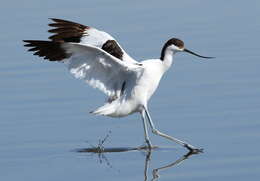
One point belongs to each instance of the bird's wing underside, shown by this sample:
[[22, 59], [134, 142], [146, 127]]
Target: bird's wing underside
[[90, 54], [100, 69], [97, 67]]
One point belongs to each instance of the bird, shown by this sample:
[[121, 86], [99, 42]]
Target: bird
[[95, 57]]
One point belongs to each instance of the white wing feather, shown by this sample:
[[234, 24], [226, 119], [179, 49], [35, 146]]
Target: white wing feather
[[70, 31], [97, 38], [98, 68]]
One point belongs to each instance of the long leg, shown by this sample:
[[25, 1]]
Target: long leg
[[157, 132], [147, 140]]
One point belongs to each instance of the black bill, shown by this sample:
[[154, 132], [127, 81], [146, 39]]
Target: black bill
[[188, 51]]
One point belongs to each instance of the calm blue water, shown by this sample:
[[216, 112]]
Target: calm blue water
[[214, 104]]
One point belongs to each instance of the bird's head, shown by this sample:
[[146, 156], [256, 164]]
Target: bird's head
[[176, 45]]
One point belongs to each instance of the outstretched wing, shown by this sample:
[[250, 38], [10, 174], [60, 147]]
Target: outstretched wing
[[97, 67], [100, 69], [91, 55], [69, 31]]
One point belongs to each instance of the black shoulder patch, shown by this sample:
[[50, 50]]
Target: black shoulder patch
[[112, 48]]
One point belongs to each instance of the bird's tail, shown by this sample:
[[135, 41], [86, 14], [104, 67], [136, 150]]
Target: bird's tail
[[109, 109]]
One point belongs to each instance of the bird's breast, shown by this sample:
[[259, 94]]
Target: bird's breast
[[138, 92], [149, 80]]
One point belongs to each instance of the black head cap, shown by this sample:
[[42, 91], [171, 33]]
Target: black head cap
[[173, 41]]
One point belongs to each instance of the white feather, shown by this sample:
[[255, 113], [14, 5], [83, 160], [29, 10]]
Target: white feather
[[128, 84], [99, 69], [98, 38]]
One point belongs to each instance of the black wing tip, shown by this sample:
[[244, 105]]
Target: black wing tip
[[53, 19], [66, 31], [29, 43], [58, 20], [32, 43], [49, 50]]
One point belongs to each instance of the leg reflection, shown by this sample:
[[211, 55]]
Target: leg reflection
[[155, 172]]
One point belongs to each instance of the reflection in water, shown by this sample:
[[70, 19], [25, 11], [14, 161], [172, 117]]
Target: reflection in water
[[156, 170], [100, 150]]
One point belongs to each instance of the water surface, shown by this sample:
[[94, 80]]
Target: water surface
[[213, 104]]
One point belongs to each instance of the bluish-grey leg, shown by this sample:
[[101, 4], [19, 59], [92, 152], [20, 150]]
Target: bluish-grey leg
[[147, 140], [157, 132]]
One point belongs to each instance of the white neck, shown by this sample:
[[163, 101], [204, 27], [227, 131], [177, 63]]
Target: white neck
[[168, 58]]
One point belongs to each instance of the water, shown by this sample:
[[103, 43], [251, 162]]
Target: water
[[213, 104]]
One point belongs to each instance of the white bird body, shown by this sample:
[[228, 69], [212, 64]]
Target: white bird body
[[148, 83], [97, 58], [137, 91], [140, 81]]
